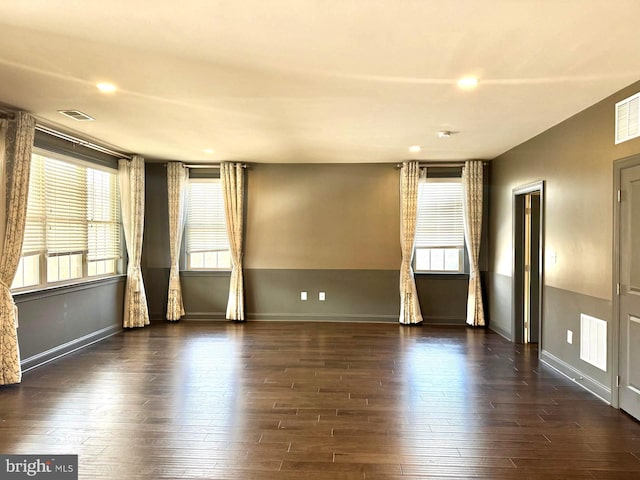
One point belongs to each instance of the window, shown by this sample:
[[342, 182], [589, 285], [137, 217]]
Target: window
[[73, 223], [207, 245], [440, 226]]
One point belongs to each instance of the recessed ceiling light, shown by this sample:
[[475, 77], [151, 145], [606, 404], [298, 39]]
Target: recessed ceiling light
[[209, 151], [468, 83], [106, 87], [415, 148]]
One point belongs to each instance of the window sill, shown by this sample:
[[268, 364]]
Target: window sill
[[205, 273], [50, 291], [442, 275]]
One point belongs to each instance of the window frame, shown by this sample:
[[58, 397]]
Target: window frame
[[185, 266], [435, 174], [464, 261], [44, 284]]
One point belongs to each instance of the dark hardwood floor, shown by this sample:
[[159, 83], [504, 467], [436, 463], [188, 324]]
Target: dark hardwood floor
[[267, 400]]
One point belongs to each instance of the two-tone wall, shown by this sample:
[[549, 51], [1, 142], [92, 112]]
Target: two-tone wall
[[575, 160], [309, 227], [60, 320]]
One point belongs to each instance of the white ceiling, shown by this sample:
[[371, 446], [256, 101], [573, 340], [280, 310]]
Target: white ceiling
[[314, 80]]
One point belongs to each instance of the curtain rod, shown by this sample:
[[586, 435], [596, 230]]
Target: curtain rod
[[438, 164], [205, 165], [10, 114], [79, 141], [7, 113]]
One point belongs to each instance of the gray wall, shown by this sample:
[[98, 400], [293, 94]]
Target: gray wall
[[155, 260], [57, 321], [309, 227], [575, 159]]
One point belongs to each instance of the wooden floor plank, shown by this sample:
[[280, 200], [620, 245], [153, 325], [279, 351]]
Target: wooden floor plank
[[315, 401]]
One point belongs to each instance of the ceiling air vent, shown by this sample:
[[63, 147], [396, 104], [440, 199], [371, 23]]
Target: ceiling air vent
[[76, 115], [628, 118]]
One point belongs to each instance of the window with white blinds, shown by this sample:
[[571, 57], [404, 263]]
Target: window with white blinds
[[206, 241], [439, 245], [73, 222]]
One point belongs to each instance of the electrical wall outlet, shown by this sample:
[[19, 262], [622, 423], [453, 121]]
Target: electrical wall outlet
[[321, 296], [303, 295], [569, 337]]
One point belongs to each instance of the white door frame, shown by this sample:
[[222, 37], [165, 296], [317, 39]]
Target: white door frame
[[515, 193]]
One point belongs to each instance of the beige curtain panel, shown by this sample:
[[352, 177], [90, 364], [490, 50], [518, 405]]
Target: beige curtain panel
[[232, 176], [472, 183], [16, 143], [409, 305], [131, 178], [177, 182]]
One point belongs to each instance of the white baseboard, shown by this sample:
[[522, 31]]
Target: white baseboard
[[585, 381]]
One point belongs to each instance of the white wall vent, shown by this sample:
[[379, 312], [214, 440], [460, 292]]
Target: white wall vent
[[593, 341], [628, 118], [76, 115]]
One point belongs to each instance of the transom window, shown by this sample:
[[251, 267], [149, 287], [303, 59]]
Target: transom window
[[206, 241], [439, 246], [73, 222]]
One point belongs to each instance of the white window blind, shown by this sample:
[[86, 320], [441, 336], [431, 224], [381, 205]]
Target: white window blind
[[440, 216], [103, 216], [34, 232], [65, 198], [72, 222], [440, 226], [207, 244]]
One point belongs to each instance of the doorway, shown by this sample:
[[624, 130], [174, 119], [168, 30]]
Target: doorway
[[627, 285], [528, 262]]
